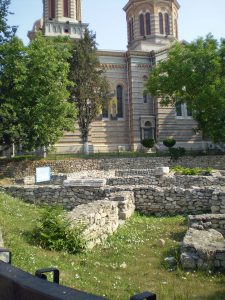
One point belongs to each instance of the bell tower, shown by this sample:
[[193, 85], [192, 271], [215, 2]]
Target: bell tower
[[63, 17], [151, 24], [60, 18]]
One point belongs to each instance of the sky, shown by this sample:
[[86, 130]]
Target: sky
[[107, 19]]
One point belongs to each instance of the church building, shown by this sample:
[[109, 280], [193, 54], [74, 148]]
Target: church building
[[131, 115]]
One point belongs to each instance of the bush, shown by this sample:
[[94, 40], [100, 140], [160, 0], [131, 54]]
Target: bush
[[148, 143], [54, 232], [169, 142], [191, 171], [176, 153]]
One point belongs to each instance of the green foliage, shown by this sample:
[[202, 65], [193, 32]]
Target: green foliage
[[191, 171], [148, 143], [176, 153], [91, 89], [169, 142], [195, 74], [6, 31], [34, 111], [99, 271], [54, 232]]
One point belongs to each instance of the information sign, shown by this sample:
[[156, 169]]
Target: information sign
[[43, 174]]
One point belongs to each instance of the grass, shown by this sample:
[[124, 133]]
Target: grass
[[130, 262], [191, 171]]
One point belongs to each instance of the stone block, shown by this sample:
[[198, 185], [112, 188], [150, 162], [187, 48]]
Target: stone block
[[188, 261], [87, 182], [162, 171]]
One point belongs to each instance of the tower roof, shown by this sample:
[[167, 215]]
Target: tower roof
[[153, 1]]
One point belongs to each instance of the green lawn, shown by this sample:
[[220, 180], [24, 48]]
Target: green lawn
[[129, 263]]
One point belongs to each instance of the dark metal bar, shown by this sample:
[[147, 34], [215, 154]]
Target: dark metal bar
[[144, 296], [41, 274], [16, 284]]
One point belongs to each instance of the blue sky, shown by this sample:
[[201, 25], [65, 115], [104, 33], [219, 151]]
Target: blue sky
[[107, 19]]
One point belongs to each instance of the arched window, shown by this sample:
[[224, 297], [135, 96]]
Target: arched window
[[148, 23], [145, 97], [119, 94], [167, 24], [66, 8], [51, 9], [161, 30], [131, 29], [142, 25]]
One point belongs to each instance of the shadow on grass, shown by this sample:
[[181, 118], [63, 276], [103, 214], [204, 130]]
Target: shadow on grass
[[178, 236], [214, 296]]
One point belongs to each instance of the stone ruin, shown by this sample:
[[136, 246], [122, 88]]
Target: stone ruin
[[204, 244], [102, 218], [101, 200]]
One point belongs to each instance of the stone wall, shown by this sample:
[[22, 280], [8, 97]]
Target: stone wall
[[203, 249], [102, 218], [218, 202], [207, 221], [148, 199], [185, 181], [174, 200], [99, 218], [27, 168], [68, 197]]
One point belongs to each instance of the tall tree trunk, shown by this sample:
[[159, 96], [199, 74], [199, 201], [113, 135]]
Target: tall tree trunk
[[86, 149]]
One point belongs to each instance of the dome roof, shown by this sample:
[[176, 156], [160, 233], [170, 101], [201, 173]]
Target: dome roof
[[38, 25]]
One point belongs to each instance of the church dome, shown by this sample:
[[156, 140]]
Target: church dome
[[38, 25]]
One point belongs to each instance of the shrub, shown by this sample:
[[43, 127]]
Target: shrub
[[54, 232], [169, 142], [191, 171], [148, 143], [176, 153]]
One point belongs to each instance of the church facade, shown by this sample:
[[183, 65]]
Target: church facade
[[131, 115]]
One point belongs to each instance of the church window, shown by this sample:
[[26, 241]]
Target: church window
[[131, 29], [105, 110], [119, 94], [66, 8], [145, 97], [142, 25], [179, 109], [148, 23], [148, 131], [161, 30], [167, 24], [51, 9], [189, 112], [182, 111]]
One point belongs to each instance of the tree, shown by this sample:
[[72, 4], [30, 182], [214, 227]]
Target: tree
[[90, 88], [6, 31], [34, 111], [195, 74]]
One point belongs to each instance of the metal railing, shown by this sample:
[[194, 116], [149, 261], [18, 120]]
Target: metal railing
[[16, 284]]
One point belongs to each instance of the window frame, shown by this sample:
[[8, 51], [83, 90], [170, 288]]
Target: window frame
[[148, 23], [66, 8], [184, 112], [52, 9], [161, 23], [142, 24]]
